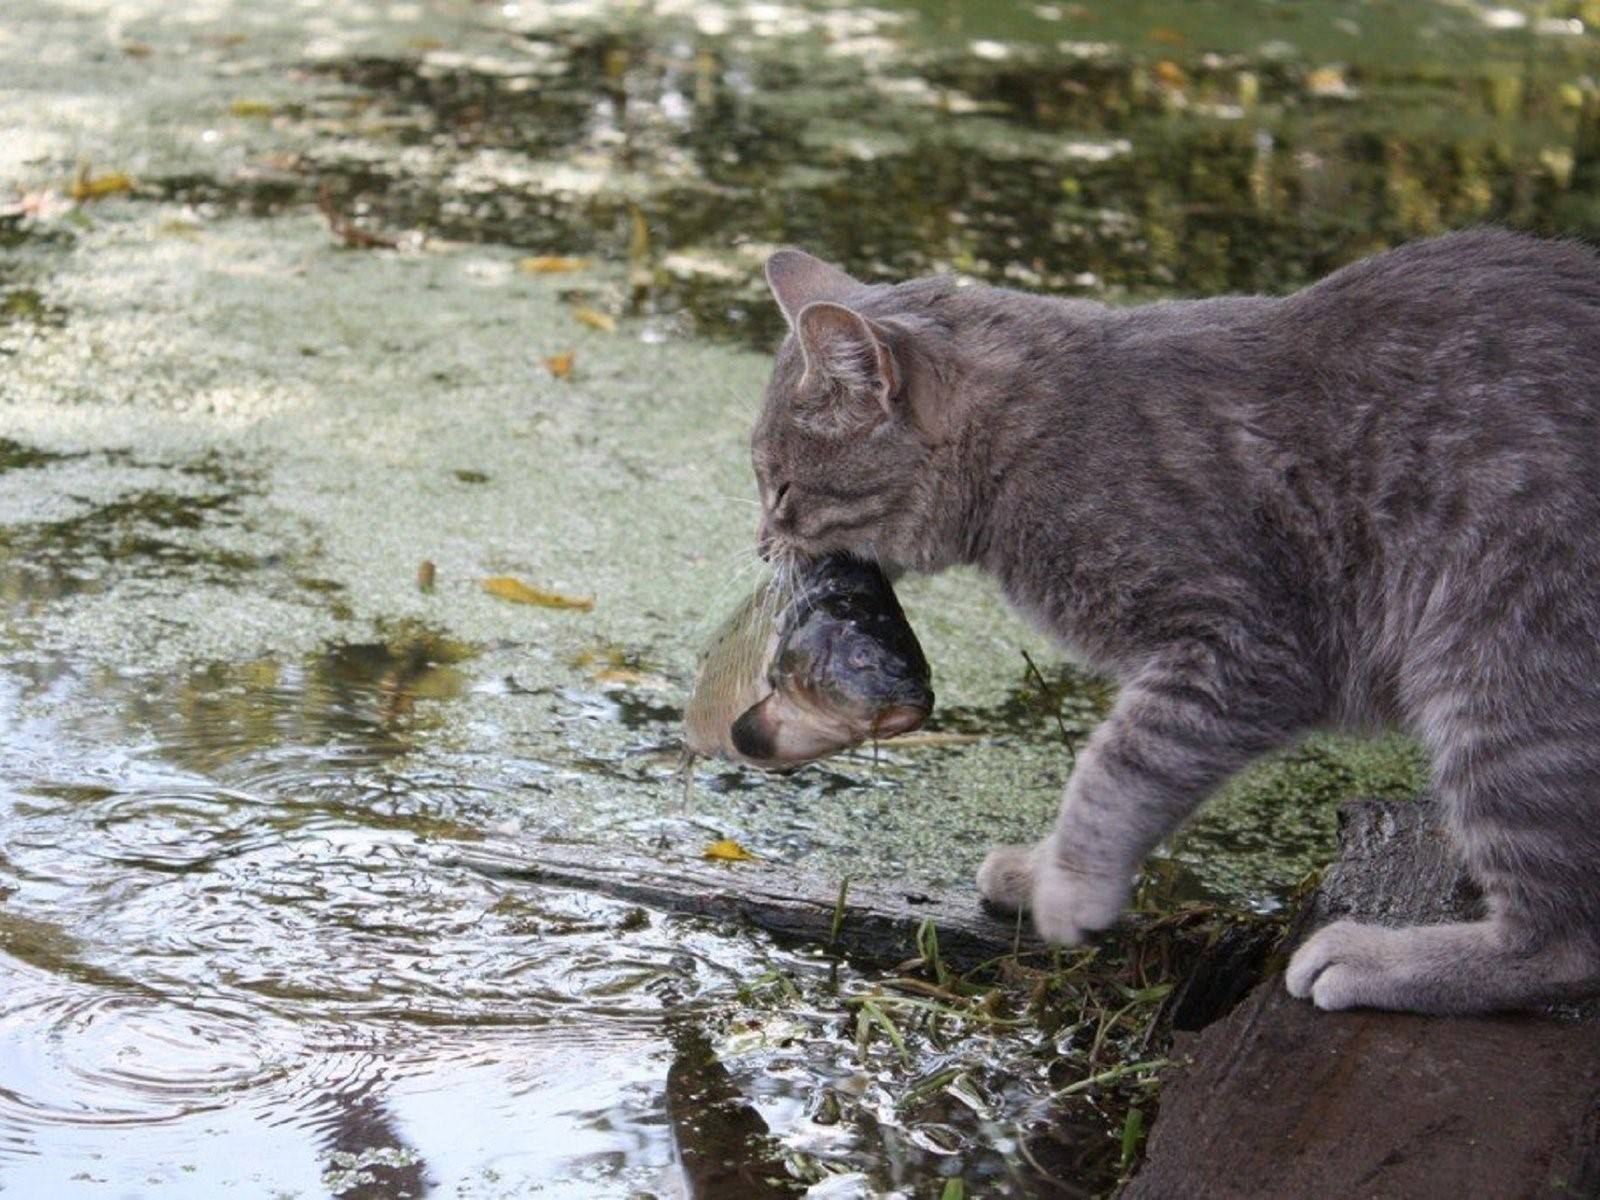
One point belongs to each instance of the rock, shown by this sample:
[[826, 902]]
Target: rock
[[1280, 1100]]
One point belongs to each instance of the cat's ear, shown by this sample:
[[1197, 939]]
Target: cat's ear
[[798, 279], [849, 355]]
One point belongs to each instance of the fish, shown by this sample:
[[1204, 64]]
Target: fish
[[796, 674]]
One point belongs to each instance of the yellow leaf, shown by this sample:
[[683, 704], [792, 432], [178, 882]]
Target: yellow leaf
[[595, 319], [518, 592], [251, 108], [1327, 81], [550, 264], [1170, 73], [86, 186], [561, 364], [728, 850], [625, 676], [640, 275], [1167, 37]]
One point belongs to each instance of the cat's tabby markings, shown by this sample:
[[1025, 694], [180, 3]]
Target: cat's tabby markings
[[1375, 502]]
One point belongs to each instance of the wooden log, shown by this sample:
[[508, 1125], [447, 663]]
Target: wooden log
[[879, 922], [1279, 1099]]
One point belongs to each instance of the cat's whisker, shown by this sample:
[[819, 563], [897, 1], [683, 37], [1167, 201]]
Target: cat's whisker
[[736, 499]]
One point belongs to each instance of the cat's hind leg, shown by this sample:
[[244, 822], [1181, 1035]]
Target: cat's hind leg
[[1465, 967], [1510, 709]]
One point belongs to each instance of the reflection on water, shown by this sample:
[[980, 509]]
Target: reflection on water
[[1106, 150], [232, 924]]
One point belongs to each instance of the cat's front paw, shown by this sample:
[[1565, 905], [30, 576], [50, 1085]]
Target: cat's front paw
[[1005, 880], [1349, 965], [1069, 905]]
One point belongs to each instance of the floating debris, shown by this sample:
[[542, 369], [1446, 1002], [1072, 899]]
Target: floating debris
[[626, 677], [1329, 83], [560, 365], [88, 186], [514, 590], [551, 264], [425, 575], [728, 850], [595, 319]]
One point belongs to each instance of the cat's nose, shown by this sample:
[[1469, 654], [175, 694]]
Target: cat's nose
[[765, 544]]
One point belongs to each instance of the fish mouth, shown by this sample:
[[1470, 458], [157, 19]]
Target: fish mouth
[[781, 732]]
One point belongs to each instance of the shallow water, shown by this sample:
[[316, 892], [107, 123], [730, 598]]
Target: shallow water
[[240, 742]]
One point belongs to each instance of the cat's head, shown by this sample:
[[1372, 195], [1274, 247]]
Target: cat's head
[[846, 446]]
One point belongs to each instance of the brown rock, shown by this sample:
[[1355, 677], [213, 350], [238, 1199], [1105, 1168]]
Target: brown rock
[[1280, 1100]]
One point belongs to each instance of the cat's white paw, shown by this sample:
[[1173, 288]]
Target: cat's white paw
[[1068, 906], [1347, 965], [1005, 880]]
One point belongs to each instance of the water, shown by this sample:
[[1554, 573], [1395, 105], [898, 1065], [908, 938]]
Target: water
[[242, 746]]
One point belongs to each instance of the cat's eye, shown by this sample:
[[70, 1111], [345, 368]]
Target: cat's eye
[[777, 499]]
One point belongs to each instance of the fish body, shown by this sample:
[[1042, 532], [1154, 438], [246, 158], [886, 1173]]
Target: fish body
[[792, 678]]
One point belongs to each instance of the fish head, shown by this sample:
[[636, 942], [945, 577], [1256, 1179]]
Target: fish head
[[865, 682], [854, 675], [835, 686]]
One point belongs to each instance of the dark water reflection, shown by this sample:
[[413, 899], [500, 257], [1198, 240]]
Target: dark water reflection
[[1096, 149]]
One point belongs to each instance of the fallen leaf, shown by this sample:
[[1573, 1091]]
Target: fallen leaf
[[251, 108], [425, 574], [728, 850], [88, 186], [595, 319], [1328, 81], [550, 264], [1167, 37], [627, 677], [640, 274], [1170, 73], [518, 592], [561, 364]]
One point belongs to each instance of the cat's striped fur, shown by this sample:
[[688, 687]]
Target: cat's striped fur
[[1375, 502]]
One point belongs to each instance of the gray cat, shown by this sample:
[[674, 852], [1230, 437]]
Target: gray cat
[[1373, 503]]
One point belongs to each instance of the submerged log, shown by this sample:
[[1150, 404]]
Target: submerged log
[[1279, 1099], [877, 923]]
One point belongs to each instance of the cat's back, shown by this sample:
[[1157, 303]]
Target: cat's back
[[1485, 335], [1472, 282]]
